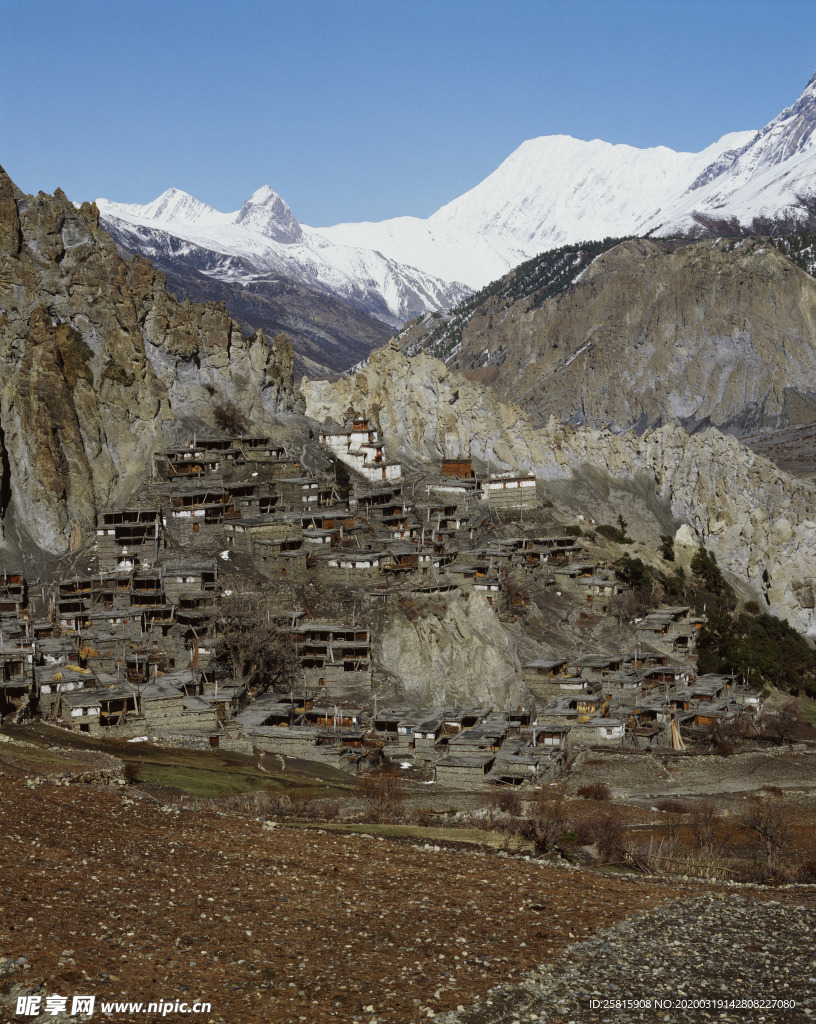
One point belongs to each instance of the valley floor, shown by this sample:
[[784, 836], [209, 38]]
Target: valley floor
[[109, 891]]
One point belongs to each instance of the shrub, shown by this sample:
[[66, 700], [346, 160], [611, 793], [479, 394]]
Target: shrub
[[300, 802], [667, 547], [767, 819], [780, 726], [595, 791], [609, 833], [383, 793], [669, 857], [671, 806], [634, 572], [546, 822], [230, 418], [325, 809], [719, 740], [704, 821], [505, 800], [616, 533]]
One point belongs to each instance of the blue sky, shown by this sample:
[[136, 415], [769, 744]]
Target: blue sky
[[366, 109]]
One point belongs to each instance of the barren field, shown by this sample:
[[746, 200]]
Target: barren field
[[642, 775], [128, 899]]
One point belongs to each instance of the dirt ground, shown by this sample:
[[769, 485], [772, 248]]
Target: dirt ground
[[640, 775], [127, 900]]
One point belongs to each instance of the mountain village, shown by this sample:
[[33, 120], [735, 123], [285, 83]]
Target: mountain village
[[412, 619], [134, 649]]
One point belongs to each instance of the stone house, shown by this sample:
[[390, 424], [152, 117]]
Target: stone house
[[95, 711]]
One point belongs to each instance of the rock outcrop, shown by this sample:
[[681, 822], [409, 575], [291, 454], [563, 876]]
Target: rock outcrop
[[759, 521], [100, 366], [450, 650], [714, 333]]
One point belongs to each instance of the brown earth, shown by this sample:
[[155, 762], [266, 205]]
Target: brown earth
[[131, 901]]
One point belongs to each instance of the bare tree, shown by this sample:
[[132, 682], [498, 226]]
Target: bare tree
[[609, 834], [546, 821], [632, 604], [704, 821], [782, 725], [383, 793], [230, 418], [261, 652], [768, 820], [502, 807]]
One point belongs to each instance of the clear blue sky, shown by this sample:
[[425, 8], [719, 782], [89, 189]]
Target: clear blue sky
[[366, 109]]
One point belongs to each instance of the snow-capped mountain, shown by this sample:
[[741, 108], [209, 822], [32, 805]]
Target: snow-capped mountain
[[556, 190], [552, 191], [263, 240], [772, 177]]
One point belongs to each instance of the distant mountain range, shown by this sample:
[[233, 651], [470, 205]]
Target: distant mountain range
[[556, 190], [552, 191], [263, 240]]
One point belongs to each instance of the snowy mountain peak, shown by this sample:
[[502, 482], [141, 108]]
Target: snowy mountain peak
[[262, 241], [792, 131], [767, 178], [172, 207], [266, 213], [551, 191], [556, 189], [261, 195]]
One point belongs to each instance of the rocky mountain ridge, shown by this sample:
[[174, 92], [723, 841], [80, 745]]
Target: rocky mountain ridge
[[263, 242], [552, 191], [326, 333], [101, 366], [649, 332], [759, 521]]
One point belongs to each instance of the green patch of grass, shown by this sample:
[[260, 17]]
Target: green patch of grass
[[200, 782], [198, 773], [40, 759], [220, 780], [807, 710], [428, 834]]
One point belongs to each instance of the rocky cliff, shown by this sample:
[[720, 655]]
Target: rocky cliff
[[99, 366], [759, 521], [456, 649], [328, 335], [653, 332]]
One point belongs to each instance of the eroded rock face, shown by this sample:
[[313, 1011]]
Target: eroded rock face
[[456, 649], [658, 332], [759, 521], [99, 366], [427, 409]]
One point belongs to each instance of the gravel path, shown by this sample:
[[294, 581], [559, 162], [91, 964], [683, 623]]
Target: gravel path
[[688, 951]]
